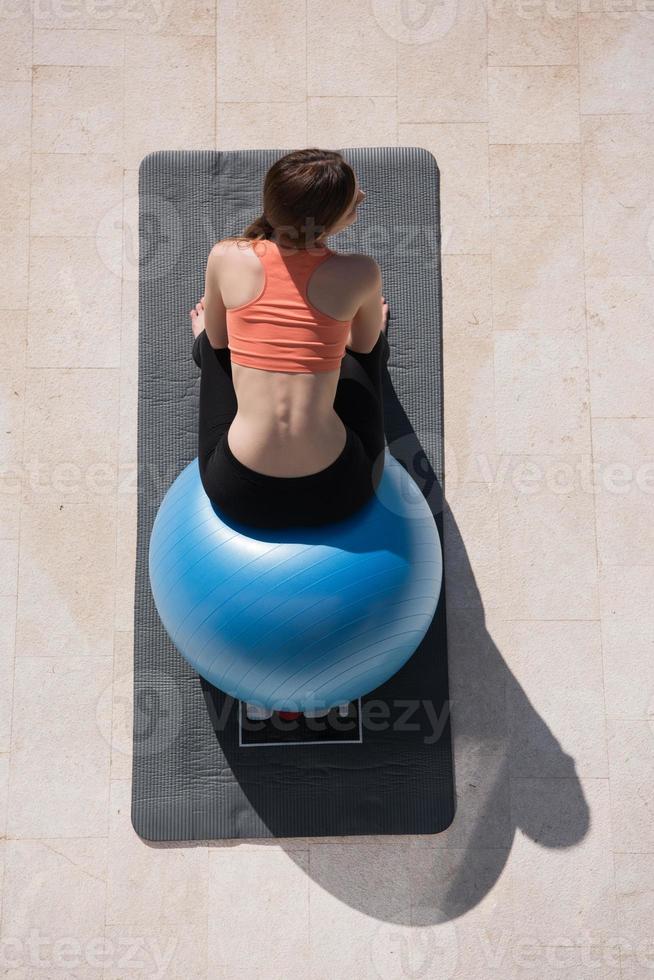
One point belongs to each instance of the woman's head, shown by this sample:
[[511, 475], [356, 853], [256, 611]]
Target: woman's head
[[307, 195]]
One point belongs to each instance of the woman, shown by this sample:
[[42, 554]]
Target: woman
[[291, 428]]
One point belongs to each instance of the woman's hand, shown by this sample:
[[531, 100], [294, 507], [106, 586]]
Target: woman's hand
[[197, 317], [384, 314]]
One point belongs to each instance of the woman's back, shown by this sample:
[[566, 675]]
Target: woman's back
[[289, 313]]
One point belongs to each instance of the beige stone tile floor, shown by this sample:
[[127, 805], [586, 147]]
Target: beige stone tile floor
[[541, 117]]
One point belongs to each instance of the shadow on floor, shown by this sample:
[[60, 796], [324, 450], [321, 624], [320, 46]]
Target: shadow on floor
[[422, 879]]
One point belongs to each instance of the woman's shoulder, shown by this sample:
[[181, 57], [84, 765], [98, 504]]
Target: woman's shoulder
[[358, 261], [362, 268], [227, 245], [226, 253]]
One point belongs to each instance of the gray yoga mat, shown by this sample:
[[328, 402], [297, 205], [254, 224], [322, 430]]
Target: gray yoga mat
[[197, 774]]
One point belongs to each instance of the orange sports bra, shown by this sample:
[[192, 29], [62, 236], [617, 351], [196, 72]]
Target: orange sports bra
[[280, 330]]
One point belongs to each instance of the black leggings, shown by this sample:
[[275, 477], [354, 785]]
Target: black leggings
[[332, 494]]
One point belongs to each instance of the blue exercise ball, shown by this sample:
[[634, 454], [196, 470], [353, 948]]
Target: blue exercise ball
[[299, 619]]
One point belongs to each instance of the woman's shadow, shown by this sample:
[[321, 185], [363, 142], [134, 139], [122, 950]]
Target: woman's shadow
[[418, 879], [495, 728]]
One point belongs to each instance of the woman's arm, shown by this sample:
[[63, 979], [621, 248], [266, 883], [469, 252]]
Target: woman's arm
[[215, 321], [371, 316]]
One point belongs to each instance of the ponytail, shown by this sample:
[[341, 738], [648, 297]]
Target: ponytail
[[259, 228]]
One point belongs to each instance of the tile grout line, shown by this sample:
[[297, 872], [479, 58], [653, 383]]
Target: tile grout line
[[107, 835], [120, 395], [594, 496], [498, 516], [20, 501]]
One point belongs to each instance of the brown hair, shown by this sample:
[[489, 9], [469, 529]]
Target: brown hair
[[304, 193]]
